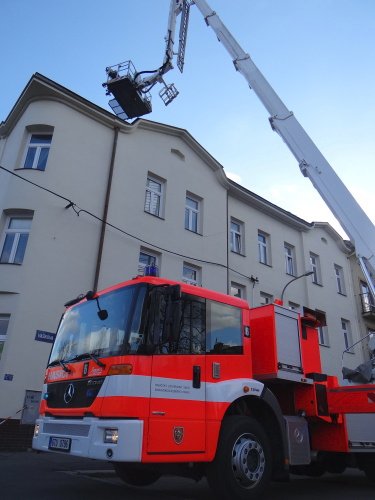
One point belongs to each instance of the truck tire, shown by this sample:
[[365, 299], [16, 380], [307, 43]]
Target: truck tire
[[243, 465], [135, 476]]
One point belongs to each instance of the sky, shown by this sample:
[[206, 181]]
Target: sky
[[318, 55]]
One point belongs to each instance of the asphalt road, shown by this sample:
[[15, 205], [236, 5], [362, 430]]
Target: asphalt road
[[32, 476]]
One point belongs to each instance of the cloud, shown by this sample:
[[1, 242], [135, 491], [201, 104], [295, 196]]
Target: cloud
[[234, 177]]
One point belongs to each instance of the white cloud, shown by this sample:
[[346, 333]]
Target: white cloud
[[234, 177]]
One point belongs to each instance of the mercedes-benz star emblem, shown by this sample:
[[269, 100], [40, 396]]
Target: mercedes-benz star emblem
[[69, 393]]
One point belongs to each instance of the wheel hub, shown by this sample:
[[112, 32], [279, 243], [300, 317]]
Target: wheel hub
[[248, 460]]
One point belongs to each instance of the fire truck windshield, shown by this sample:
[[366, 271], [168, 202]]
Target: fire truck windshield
[[82, 334]]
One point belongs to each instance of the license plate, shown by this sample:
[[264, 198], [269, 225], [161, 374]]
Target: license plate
[[59, 443]]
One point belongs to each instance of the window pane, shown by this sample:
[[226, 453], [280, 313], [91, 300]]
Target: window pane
[[147, 260], [4, 322], [41, 139], [42, 160], [29, 161], [22, 242], [7, 248], [16, 223], [192, 203], [194, 222], [224, 330], [189, 273], [155, 186], [1, 348]]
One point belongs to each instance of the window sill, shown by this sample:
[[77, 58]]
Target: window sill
[[194, 232], [324, 345], [265, 264], [238, 253], [30, 169], [342, 294], [154, 215], [10, 263], [317, 284]]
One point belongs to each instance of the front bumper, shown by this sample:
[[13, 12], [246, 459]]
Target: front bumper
[[87, 437]]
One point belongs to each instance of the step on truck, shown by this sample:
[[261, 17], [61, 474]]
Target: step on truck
[[165, 378]]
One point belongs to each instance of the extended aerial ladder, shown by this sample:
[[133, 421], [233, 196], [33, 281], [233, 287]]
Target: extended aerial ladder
[[132, 99]]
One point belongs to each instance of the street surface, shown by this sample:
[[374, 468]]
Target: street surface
[[32, 476]]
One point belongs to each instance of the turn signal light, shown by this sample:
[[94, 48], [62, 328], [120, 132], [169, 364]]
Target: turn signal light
[[120, 370]]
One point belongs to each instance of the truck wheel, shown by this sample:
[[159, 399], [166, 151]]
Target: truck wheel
[[242, 466], [135, 476]]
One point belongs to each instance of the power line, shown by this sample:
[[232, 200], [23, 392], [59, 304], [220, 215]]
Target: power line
[[79, 210]]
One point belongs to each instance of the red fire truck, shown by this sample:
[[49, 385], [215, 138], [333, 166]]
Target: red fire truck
[[161, 377]]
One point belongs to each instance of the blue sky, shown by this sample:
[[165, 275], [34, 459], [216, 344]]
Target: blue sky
[[317, 54]]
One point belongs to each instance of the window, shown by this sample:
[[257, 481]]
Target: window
[[4, 323], [315, 268], [263, 248], [346, 330], [323, 330], [191, 274], [294, 307], [147, 259], [290, 266], [154, 196], [265, 298], [224, 329], [192, 214], [237, 290], [37, 151], [14, 240], [236, 236], [367, 300], [340, 283]]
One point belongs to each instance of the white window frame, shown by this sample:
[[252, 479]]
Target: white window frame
[[156, 196], [290, 265], [39, 147], [3, 337], [196, 276], [264, 254], [190, 212], [17, 235], [236, 236], [152, 256], [340, 280], [347, 334], [265, 298], [315, 268], [239, 289]]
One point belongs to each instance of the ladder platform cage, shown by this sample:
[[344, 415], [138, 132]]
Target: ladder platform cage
[[129, 101]]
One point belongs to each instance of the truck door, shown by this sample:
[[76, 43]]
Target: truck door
[[178, 385]]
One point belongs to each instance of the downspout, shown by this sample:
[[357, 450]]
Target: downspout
[[105, 210], [227, 240]]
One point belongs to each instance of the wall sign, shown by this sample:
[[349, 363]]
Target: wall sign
[[42, 336]]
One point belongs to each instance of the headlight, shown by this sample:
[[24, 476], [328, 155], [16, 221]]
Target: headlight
[[36, 430], [111, 436]]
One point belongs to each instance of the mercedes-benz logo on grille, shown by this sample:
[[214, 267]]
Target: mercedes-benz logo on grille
[[69, 393]]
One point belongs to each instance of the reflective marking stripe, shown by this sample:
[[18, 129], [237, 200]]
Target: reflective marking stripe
[[169, 388], [229, 390]]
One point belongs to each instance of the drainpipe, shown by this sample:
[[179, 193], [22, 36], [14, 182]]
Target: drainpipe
[[105, 210], [227, 240]]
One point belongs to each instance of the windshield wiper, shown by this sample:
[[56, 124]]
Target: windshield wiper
[[62, 363], [89, 355]]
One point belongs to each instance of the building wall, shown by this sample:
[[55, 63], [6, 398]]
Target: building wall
[[61, 259]]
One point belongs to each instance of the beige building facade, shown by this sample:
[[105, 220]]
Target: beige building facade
[[100, 199]]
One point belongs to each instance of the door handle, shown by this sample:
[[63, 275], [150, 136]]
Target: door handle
[[196, 377]]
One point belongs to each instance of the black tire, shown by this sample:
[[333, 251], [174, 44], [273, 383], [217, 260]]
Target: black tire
[[135, 476], [243, 464]]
